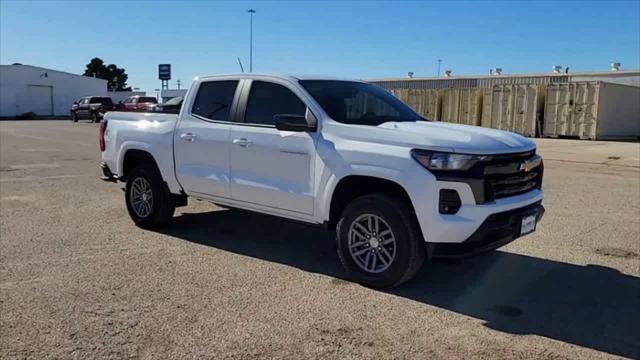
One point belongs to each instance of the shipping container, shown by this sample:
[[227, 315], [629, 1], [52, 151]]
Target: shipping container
[[450, 105], [592, 110], [426, 102], [516, 108], [470, 106]]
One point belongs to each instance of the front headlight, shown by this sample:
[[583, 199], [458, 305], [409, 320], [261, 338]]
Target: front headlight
[[433, 160]]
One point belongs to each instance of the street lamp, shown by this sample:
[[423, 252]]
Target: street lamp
[[251, 12]]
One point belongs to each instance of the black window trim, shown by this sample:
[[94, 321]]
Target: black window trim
[[244, 101], [232, 109]]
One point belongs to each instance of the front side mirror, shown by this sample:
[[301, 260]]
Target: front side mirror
[[120, 102], [75, 103], [292, 122]]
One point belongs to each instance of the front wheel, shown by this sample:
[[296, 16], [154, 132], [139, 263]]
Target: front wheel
[[379, 241], [74, 116], [149, 203]]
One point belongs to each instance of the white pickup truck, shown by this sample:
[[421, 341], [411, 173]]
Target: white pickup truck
[[339, 153]]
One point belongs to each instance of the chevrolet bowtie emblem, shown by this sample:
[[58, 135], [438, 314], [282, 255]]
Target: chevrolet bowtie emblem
[[530, 164]]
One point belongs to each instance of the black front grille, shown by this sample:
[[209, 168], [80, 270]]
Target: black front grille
[[498, 176], [505, 178]]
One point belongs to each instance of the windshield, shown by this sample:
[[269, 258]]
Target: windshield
[[353, 102]]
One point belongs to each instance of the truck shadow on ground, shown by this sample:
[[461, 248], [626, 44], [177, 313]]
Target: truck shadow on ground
[[591, 306]]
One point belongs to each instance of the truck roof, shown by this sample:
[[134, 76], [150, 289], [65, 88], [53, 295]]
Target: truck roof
[[289, 77]]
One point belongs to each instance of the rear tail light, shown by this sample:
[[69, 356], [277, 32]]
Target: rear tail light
[[101, 131]]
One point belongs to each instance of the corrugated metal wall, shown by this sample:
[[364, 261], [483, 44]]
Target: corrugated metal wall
[[486, 82]]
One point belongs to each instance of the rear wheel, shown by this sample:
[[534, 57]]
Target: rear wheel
[[95, 118], [379, 241], [149, 203]]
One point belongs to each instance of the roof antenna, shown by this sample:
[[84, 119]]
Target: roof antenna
[[240, 63]]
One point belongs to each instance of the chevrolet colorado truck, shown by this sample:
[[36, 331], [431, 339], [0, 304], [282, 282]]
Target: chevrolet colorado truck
[[396, 188]]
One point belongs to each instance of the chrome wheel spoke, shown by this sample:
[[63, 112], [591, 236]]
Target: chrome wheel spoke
[[383, 250], [371, 243], [141, 197], [373, 262], [362, 228], [358, 244], [360, 252]]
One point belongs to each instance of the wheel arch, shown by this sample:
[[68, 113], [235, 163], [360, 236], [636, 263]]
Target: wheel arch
[[133, 157], [351, 187]]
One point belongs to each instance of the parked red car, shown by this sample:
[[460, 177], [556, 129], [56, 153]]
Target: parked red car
[[137, 103]]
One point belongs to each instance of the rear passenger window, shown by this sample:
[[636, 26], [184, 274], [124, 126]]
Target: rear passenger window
[[214, 99], [268, 99]]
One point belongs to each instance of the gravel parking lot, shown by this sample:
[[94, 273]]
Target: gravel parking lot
[[79, 280]]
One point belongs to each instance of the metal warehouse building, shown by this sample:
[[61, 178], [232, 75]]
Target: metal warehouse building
[[624, 77], [586, 105], [44, 92]]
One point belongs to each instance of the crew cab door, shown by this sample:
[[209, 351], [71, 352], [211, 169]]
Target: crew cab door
[[271, 168], [83, 108], [201, 140]]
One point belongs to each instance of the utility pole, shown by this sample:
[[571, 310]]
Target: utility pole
[[439, 62], [251, 12], [178, 84]]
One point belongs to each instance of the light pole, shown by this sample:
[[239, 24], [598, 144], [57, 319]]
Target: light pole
[[439, 62], [251, 12]]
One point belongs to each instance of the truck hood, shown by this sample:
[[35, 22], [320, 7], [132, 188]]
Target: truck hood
[[437, 136]]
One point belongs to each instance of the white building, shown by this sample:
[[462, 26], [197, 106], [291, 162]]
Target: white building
[[168, 94], [45, 92]]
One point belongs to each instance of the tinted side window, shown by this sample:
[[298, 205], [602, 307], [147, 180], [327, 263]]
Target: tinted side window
[[268, 99], [147, 100], [214, 99], [101, 100]]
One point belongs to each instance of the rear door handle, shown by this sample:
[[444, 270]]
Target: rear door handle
[[243, 142], [188, 136]]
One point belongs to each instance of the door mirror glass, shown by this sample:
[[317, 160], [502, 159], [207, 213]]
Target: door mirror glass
[[292, 122]]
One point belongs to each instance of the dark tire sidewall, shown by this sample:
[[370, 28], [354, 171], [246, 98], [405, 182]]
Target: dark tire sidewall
[[404, 242], [157, 190]]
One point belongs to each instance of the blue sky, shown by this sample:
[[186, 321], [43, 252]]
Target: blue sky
[[361, 39]]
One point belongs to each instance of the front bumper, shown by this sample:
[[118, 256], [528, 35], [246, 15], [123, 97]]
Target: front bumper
[[496, 231]]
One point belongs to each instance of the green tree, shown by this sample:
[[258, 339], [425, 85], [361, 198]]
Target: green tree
[[116, 77]]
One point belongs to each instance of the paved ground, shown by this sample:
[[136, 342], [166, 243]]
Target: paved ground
[[78, 280]]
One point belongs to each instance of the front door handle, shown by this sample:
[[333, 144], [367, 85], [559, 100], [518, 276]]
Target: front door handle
[[188, 136], [243, 142]]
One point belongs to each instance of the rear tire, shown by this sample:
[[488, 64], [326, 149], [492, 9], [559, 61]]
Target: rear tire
[[149, 202], [397, 260], [95, 118]]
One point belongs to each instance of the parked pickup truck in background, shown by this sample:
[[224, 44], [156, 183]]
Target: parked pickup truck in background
[[91, 107], [172, 106], [343, 154], [137, 103]]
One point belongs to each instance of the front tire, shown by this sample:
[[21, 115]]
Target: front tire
[[379, 241], [149, 203], [74, 116]]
